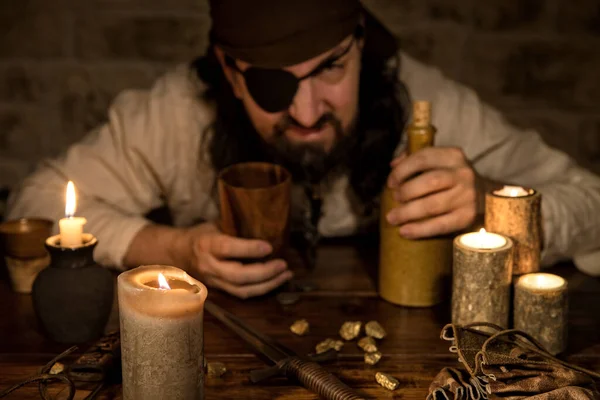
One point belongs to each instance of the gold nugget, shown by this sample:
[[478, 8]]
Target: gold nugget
[[57, 368], [323, 346], [387, 381], [368, 344], [375, 330], [350, 330], [372, 358], [216, 369], [300, 327], [337, 345], [327, 344]]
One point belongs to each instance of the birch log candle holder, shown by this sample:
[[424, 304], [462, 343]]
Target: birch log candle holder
[[482, 276], [541, 309], [515, 212]]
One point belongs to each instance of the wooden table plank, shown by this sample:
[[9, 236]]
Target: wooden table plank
[[415, 373]]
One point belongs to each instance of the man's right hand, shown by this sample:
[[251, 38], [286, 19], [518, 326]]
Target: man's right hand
[[210, 255]]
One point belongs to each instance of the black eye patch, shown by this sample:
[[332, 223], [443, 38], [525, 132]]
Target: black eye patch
[[272, 89]]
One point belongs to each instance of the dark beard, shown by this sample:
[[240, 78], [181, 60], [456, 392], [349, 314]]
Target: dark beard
[[309, 162]]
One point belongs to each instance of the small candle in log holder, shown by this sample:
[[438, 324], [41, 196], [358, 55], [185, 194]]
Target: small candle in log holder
[[515, 212], [482, 276], [541, 309]]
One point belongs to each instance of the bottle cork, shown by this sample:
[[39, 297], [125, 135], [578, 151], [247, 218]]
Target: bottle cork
[[420, 132], [421, 114], [413, 273]]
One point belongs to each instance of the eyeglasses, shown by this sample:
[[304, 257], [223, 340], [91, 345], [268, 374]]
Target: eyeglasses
[[273, 89]]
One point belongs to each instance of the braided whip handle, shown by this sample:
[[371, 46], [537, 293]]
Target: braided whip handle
[[318, 380]]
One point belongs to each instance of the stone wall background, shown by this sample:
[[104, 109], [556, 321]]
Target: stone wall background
[[63, 61]]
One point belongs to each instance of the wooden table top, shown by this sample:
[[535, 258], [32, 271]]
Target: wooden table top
[[412, 351]]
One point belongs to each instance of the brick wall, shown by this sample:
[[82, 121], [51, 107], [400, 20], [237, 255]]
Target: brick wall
[[62, 61]]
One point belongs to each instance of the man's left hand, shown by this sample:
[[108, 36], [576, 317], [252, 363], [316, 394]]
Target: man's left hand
[[436, 191]]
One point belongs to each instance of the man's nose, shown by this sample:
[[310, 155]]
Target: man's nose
[[307, 106]]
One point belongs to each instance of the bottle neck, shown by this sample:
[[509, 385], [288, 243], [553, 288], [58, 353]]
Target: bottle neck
[[70, 258], [419, 137]]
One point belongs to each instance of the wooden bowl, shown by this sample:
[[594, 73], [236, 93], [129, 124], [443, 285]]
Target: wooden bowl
[[25, 237]]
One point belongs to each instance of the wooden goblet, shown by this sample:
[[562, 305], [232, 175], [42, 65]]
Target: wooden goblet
[[255, 203]]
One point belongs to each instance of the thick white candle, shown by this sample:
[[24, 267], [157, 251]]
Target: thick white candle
[[513, 191], [71, 227], [483, 240], [162, 343]]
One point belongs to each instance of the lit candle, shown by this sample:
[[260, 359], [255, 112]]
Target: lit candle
[[162, 347], [515, 212], [71, 227], [482, 275], [513, 191], [483, 240], [541, 309]]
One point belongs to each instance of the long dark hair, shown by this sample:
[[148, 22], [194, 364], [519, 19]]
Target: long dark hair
[[383, 107]]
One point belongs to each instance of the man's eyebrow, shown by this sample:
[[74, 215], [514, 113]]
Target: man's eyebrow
[[339, 51], [335, 55]]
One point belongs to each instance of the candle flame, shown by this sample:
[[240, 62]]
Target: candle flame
[[513, 191], [162, 282], [481, 238], [71, 203]]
